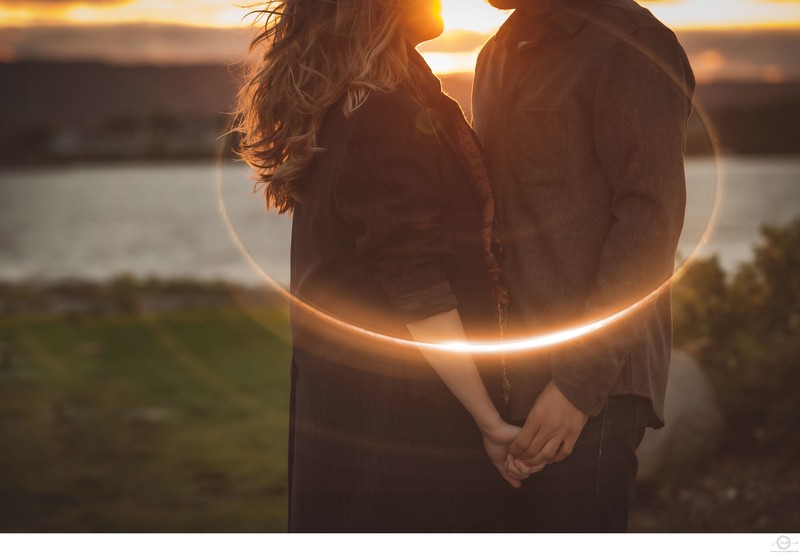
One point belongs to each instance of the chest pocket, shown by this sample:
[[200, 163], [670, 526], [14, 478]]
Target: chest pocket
[[539, 146]]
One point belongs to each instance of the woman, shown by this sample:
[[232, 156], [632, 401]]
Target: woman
[[350, 132]]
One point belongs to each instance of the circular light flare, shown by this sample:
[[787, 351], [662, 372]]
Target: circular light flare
[[535, 341]]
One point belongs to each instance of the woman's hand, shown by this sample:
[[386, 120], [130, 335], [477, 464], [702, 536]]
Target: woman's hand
[[496, 441], [521, 467], [460, 374]]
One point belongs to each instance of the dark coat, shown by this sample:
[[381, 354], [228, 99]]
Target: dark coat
[[388, 232], [584, 128]]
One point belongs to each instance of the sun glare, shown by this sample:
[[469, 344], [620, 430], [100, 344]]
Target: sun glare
[[471, 15]]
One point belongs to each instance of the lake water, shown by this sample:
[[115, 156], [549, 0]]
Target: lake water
[[163, 220]]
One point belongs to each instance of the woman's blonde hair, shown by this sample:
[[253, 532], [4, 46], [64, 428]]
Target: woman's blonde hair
[[314, 52]]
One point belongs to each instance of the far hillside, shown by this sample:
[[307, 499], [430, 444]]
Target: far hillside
[[81, 111]]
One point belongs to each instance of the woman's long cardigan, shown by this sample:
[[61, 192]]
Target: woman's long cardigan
[[388, 232]]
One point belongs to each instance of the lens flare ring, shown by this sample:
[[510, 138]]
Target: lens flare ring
[[532, 342]]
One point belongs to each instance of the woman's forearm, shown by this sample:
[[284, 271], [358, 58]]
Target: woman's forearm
[[456, 369]]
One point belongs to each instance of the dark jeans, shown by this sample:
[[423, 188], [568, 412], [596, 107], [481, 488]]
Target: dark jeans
[[589, 490]]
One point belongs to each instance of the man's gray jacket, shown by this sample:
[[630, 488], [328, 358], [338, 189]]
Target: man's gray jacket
[[582, 108]]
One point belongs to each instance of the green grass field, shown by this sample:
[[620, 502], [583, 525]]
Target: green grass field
[[117, 419], [135, 423]]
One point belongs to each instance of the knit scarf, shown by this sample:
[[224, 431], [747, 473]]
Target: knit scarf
[[451, 116]]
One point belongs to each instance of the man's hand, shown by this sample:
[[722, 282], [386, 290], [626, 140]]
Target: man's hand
[[496, 442], [551, 430]]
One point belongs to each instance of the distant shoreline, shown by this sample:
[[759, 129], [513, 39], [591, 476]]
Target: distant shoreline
[[105, 112]]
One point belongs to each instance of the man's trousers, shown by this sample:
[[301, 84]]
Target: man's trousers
[[589, 490]]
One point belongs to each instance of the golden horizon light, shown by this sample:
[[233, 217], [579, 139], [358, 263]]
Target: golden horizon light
[[471, 15], [444, 55]]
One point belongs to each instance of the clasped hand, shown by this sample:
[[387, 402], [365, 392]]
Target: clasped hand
[[548, 435]]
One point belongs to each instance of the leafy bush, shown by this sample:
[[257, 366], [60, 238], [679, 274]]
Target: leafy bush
[[745, 331]]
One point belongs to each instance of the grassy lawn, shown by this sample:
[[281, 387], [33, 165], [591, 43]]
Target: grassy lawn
[[138, 423], [178, 422]]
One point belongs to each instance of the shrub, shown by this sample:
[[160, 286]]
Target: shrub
[[745, 331]]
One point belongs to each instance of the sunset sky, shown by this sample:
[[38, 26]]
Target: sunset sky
[[161, 31], [473, 15]]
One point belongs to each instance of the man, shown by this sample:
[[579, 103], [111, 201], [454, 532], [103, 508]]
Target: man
[[582, 107]]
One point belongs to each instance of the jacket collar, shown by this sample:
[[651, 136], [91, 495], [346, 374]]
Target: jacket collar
[[445, 112], [423, 77], [569, 15]]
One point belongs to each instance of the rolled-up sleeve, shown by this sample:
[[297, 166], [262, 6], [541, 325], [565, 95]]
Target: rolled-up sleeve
[[640, 115], [388, 189]]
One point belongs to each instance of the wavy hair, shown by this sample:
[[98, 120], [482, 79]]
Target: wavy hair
[[311, 54]]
